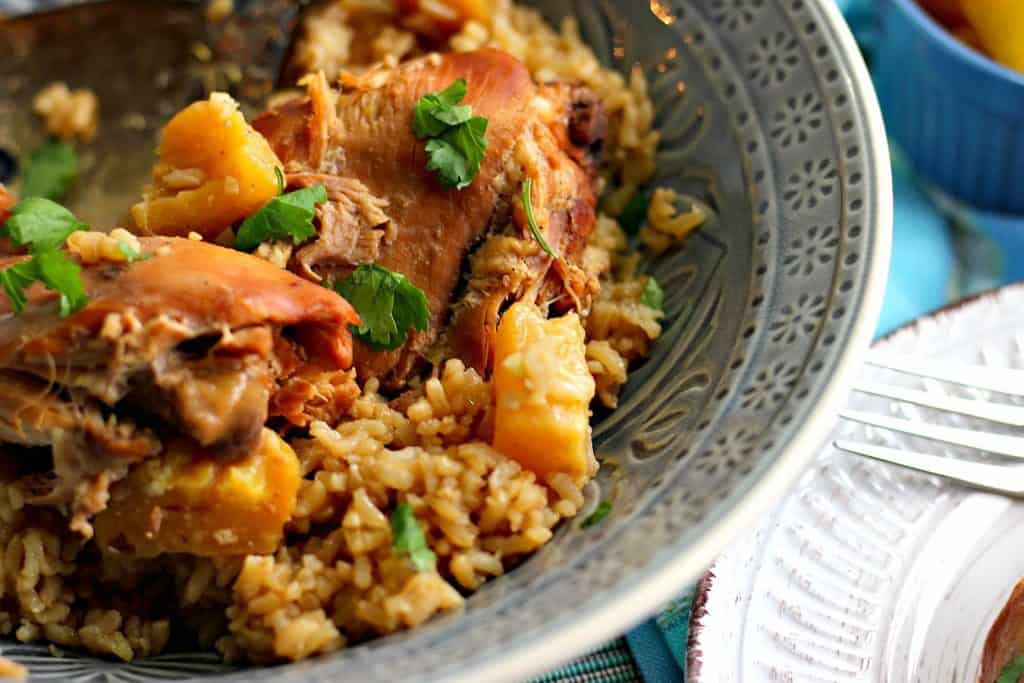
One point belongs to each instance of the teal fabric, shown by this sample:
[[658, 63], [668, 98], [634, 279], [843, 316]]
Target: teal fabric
[[653, 652], [613, 663]]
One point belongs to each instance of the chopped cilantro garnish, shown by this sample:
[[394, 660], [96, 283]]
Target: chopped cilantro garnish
[[40, 224], [43, 226], [15, 279], [456, 140], [288, 217], [51, 172], [653, 296], [528, 207], [602, 510], [130, 253], [388, 306], [56, 271], [436, 112], [635, 213], [1013, 671], [62, 275], [407, 538]]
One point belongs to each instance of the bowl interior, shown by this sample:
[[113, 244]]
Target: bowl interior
[[768, 117]]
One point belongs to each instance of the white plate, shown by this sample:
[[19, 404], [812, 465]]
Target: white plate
[[867, 572]]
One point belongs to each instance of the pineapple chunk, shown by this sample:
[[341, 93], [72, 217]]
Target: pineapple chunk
[[213, 171], [468, 10], [184, 502], [445, 17], [543, 390]]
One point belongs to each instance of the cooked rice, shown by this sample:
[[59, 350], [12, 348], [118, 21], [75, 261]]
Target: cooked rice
[[336, 579], [91, 246], [671, 218], [278, 253], [68, 114]]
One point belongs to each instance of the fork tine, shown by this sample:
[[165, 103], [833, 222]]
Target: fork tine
[[1001, 413], [1001, 444], [1000, 478], [1002, 380]]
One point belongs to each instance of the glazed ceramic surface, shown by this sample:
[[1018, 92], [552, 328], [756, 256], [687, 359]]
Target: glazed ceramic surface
[[867, 572], [768, 116]]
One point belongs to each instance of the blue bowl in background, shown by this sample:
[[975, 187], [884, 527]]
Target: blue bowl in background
[[958, 115]]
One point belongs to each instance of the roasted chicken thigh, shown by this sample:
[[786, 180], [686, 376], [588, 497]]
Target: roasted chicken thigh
[[386, 207], [195, 344]]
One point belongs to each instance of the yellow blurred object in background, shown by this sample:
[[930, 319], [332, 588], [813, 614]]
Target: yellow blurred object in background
[[1000, 28], [441, 18]]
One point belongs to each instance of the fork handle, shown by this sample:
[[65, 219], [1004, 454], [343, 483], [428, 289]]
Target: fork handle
[[1002, 479]]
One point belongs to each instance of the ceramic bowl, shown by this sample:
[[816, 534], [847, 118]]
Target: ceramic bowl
[[769, 116]]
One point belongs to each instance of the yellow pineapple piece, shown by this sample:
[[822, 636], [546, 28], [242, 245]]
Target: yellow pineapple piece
[[446, 16], [214, 169], [187, 501], [471, 10], [543, 390]]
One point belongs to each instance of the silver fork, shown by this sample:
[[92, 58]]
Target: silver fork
[[1005, 478]]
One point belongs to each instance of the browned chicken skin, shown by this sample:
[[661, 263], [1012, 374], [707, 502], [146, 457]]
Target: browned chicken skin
[[386, 207], [196, 340]]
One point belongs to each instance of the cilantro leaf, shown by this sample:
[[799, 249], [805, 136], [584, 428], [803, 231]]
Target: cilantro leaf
[[451, 167], [283, 218], [602, 510], [457, 154], [62, 275], [56, 271], [1013, 670], [436, 112], [130, 253], [15, 280], [652, 296], [407, 538], [635, 213], [454, 116], [456, 140], [388, 306], [528, 207], [40, 224], [51, 172], [470, 139], [43, 226]]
